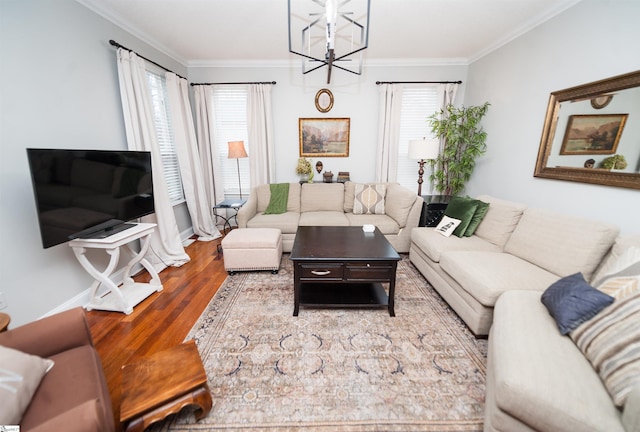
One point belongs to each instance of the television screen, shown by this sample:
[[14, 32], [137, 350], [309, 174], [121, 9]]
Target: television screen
[[89, 193]]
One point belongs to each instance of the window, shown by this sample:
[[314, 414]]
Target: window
[[418, 103], [164, 132], [230, 104]]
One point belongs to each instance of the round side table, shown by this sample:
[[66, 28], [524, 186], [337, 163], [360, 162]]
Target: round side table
[[4, 321]]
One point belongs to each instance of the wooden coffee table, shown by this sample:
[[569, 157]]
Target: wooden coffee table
[[162, 384], [343, 267]]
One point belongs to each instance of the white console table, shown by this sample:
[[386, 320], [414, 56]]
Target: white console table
[[124, 298]]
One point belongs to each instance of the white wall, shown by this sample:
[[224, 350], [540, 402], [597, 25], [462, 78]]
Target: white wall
[[59, 89], [356, 97], [593, 40]]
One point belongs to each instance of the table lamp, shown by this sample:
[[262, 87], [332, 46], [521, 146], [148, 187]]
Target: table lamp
[[423, 150], [237, 151]]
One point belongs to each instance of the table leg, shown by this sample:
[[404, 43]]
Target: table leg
[[296, 291]]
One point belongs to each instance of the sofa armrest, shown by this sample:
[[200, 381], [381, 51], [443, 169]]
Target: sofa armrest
[[86, 417], [248, 210], [50, 335]]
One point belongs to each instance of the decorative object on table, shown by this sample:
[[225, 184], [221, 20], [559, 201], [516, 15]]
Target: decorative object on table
[[324, 137], [319, 167], [327, 177], [329, 33], [589, 163], [423, 150], [324, 100], [464, 140], [343, 176], [614, 162], [237, 151], [303, 169], [593, 134]]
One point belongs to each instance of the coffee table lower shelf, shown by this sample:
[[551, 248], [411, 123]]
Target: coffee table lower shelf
[[350, 295]]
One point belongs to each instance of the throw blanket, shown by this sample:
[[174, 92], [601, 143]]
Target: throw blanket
[[279, 198]]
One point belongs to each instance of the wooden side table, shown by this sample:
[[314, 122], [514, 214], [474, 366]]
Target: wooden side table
[[162, 384], [4, 321]]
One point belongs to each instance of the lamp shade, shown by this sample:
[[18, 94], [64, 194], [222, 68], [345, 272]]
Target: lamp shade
[[424, 149], [236, 150]]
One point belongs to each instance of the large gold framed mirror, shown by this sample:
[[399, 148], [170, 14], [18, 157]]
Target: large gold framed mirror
[[591, 133]]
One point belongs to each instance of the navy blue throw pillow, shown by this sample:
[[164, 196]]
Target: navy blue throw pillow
[[572, 301]]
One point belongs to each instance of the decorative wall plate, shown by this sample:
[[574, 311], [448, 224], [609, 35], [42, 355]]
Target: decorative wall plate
[[324, 100]]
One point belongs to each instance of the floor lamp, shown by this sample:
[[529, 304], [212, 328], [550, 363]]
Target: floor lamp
[[237, 151], [423, 150]]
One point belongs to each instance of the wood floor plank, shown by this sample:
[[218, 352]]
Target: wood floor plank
[[161, 321]]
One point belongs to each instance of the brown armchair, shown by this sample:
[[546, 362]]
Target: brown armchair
[[73, 395]]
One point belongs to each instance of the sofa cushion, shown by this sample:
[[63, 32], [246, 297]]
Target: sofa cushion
[[433, 244], [369, 199], [478, 216], [286, 222], [385, 224], [76, 378], [541, 378], [20, 376], [578, 244], [322, 197], [263, 192], [572, 301], [620, 270], [398, 202], [486, 275], [461, 208], [611, 342], [500, 220], [323, 218]]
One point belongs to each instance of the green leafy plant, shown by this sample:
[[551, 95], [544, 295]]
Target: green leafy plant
[[464, 141], [614, 162]]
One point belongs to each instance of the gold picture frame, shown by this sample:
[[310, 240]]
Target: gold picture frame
[[593, 134], [324, 137], [324, 100]]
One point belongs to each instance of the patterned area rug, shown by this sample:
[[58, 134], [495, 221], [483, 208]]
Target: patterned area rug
[[335, 369]]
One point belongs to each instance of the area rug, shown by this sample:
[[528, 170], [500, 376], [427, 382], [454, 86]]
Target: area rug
[[335, 369]]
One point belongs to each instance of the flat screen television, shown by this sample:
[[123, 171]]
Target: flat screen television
[[89, 193]]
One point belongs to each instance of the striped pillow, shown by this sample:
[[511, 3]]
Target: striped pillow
[[369, 199], [611, 342]]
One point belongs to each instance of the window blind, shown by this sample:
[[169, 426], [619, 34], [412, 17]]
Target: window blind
[[164, 132], [230, 104], [418, 103]]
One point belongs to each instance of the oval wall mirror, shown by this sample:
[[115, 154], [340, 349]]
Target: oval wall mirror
[[324, 100], [586, 127]]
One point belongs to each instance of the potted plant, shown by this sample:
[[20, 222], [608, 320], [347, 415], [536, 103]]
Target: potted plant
[[303, 169], [464, 141], [614, 162]]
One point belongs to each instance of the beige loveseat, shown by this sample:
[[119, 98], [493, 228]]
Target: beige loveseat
[[513, 248], [331, 204]]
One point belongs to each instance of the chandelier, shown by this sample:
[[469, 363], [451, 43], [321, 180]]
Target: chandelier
[[329, 33]]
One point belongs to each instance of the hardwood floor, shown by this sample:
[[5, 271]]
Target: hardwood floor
[[162, 320]]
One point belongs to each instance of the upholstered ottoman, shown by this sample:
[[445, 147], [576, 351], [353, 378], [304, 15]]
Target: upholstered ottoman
[[246, 249]]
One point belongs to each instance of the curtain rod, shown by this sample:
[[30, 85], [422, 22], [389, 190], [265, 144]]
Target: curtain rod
[[418, 82], [234, 83], [117, 45]]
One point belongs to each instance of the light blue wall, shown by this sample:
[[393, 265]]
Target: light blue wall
[[593, 40]]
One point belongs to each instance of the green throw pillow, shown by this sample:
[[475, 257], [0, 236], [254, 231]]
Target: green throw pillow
[[279, 198], [461, 208], [480, 213]]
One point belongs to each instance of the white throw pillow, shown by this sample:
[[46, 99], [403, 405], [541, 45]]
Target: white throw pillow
[[20, 376], [447, 226]]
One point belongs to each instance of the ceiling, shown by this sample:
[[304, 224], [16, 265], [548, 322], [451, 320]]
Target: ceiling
[[210, 32]]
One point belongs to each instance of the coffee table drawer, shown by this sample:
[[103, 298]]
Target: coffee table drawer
[[329, 271], [367, 271]]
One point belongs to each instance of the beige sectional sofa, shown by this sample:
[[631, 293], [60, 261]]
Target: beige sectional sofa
[[513, 248], [331, 204]]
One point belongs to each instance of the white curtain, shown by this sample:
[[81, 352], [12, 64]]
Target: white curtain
[[166, 245], [388, 132], [260, 125], [446, 96], [193, 184], [205, 121]]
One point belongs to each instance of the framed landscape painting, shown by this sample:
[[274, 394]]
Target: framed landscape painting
[[326, 137], [593, 134]]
